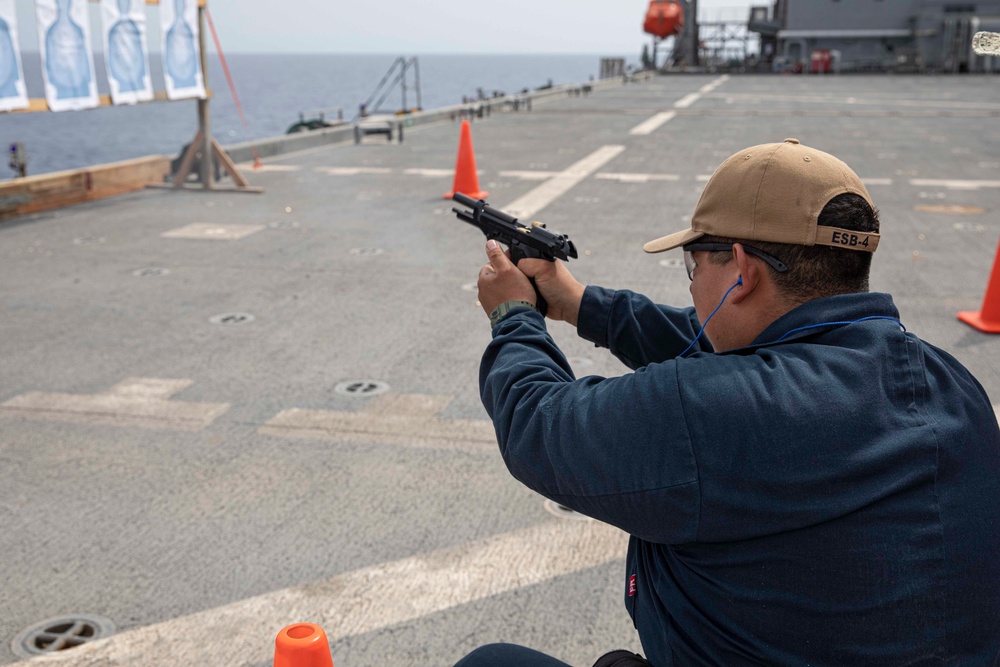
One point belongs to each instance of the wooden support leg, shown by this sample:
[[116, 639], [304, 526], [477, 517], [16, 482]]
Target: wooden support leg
[[188, 161], [228, 164]]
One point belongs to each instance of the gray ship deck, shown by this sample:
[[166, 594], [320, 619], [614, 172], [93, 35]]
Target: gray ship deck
[[202, 484]]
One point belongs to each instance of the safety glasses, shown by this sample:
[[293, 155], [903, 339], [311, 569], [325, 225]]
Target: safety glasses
[[691, 248]]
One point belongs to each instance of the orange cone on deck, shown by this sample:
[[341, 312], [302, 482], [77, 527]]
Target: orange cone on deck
[[466, 176], [987, 319], [302, 645]]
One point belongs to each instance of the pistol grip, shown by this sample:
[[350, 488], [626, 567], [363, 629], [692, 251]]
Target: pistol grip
[[517, 253], [540, 302]]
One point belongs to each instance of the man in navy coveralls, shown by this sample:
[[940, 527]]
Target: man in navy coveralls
[[806, 483]]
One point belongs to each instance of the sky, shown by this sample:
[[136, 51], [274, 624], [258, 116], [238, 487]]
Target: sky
[[414, 27]]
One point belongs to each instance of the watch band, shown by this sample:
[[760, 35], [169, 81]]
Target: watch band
[[500, 311]]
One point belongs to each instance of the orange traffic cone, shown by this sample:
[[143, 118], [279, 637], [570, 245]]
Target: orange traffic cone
[[302, 645], [466, 177], [988, 319]]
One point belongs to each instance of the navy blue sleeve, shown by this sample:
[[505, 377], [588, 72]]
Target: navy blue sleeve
[[615, 449], [636, 330]]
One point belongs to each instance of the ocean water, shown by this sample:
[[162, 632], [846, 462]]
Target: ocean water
[[273, 89]]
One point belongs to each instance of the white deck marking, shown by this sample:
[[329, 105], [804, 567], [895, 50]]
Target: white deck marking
[[546, 193], [430, 173], [359, 602], [687, 100], [529, 175], [950, 209], [248, 166], [709, 87], [953, 185], [400, 419], [141, 402], [923, 104], [353, 171], [212, 231], [653, 123], [636, 178]]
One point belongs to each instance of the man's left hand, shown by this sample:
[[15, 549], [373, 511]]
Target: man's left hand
[[500, 280]]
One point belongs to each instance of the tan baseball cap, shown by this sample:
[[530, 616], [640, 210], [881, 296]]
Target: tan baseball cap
[[774, 193]]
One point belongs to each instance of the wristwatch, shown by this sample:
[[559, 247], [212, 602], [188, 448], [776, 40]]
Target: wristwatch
[[500, 311]]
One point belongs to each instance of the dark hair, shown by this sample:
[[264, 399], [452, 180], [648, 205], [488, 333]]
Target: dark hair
[[818, 271]]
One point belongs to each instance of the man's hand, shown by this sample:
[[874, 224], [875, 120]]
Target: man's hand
[[500, 280], [557, 286]]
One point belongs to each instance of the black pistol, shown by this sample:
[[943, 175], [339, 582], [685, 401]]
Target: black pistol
[[534, 242]]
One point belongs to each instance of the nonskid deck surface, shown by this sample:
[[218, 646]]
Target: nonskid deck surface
[[223, 413]]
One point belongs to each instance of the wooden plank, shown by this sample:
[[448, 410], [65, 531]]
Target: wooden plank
[[49, 191], [36, 104], [188, 161], [228, 165]]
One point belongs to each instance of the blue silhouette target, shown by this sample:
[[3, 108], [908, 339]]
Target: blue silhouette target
[[181, 56], [9, 74], [13, 94], [68, 65], [125, 46]]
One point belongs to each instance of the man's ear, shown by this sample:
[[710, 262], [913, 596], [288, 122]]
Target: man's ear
[[749, 277]]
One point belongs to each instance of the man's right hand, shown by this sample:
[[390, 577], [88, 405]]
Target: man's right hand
[[557, 285]]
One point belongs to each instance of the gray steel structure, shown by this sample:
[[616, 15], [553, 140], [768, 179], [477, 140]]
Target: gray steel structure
[[876, 35]]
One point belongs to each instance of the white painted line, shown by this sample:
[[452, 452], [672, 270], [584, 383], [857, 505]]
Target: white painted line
[[926, 104], [703, 178], [212, 231], [362, 601], [636, 178], [687, 101], [954, 185], [248, 166], [135, 402], [709, 87], [529, 175], [353, 171], [950, 209], [546, 193], [430, 173], [410, 420], [653, 123]]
